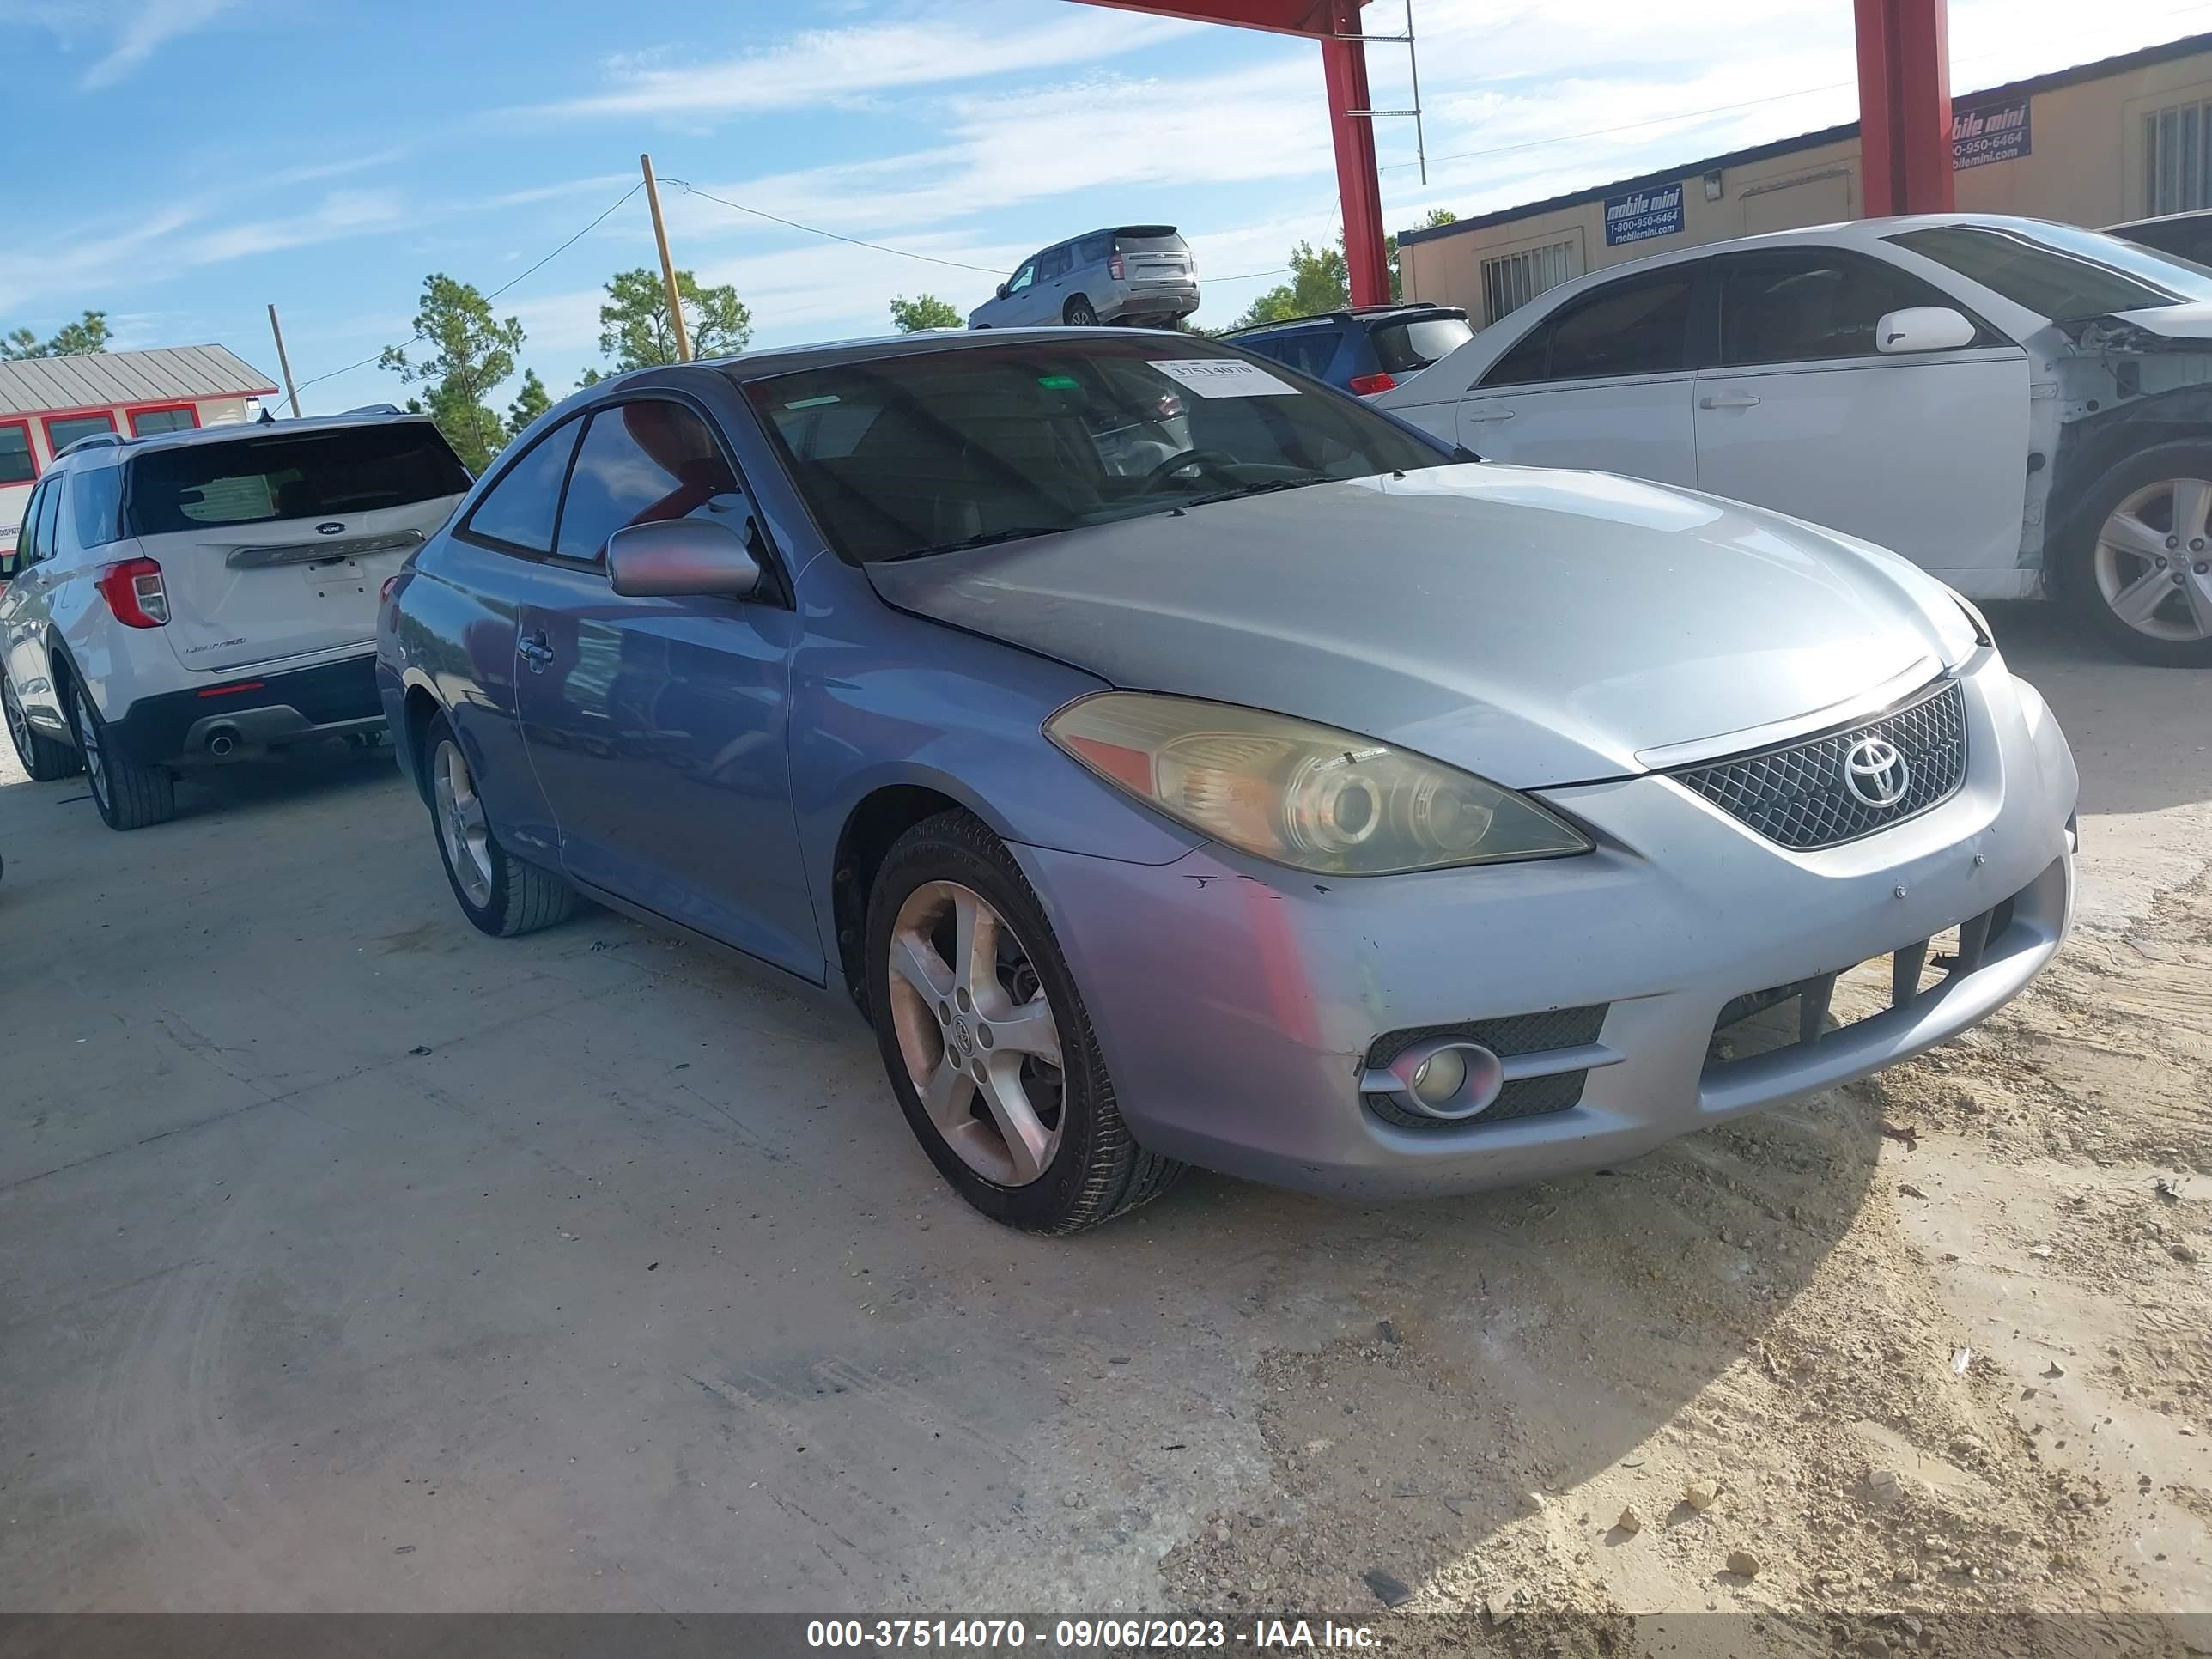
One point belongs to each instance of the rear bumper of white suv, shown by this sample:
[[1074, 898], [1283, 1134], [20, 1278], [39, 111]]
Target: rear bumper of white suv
[[236, 718]]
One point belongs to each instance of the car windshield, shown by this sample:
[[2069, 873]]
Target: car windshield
[[2063, 273], [1406, 346], [290, 475], [936, 450]]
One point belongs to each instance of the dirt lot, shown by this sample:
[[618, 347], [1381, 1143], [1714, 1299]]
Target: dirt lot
[[349, 1260]]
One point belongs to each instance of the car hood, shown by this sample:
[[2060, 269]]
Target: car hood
[[1535, 626], [2191, 320]]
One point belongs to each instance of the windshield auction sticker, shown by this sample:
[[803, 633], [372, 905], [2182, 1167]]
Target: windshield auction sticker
[[1224, 377]]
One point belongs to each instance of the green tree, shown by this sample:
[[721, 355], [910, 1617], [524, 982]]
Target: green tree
[[468, 351], [1320, 282], [634, 327], [70, 340], [528, 402], [590, 377], [923, 311]]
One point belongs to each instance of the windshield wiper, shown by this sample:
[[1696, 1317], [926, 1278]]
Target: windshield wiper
[[985, 538], [1267, 487]]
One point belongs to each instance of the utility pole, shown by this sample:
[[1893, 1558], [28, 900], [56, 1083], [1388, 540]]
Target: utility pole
[[667, 266], [283, 362]]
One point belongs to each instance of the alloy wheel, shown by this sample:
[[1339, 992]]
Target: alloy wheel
[[461, 823], [2154, 560], [977, 1033], [88, 740], [19, 724]]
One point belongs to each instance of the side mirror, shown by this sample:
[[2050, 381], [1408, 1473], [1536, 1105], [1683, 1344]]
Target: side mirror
[[1002, 291], [681, 558], [1923, 328]]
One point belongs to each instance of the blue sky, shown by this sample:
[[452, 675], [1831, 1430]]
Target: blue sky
[[181, 163]]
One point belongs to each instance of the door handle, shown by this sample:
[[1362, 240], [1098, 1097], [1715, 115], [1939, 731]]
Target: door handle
[[1730, 400], [535, 651], [1489, 414]]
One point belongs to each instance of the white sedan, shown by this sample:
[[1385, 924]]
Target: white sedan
[[2021, 408]]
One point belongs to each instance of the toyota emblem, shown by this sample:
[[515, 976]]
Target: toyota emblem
[[1876, 773]]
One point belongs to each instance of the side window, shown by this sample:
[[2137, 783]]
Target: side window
[[1055, 262], [63, 430], [1310, 351], [18, 463], [50, 518], [1022, 277], [146, 421], [1810, 303], [1525, 363], [1095, 249], [641, 462], [96, 498], [26, 533], [520, 509], [1637, 327]]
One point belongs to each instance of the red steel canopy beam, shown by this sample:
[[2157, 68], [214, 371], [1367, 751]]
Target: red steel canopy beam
[[1905, 106], [1344, 67]]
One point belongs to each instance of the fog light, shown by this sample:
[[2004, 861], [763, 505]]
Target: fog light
[[1446, 1078], [1438, 1078]]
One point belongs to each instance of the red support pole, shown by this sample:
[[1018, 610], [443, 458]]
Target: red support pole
[[1905, 106], [1359, 185]]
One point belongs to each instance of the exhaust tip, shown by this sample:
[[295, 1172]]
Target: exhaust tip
[[221, 741]]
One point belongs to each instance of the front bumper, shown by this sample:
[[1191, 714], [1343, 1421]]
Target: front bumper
[[250, 715], [1236, 1003]]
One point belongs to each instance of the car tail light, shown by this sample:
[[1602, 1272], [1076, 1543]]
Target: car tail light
[[1368, 384], [1114, 267], [384, 593], [134, 592]]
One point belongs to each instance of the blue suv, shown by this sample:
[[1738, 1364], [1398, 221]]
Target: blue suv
[[1362, 349]]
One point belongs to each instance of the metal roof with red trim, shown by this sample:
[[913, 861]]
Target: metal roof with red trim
[[110, 380]]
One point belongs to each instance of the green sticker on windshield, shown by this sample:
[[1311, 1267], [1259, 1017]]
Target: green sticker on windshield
[[1061, 382]]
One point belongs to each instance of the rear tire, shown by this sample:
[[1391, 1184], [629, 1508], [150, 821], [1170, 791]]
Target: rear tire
[[501, 894], [45, 759], [128, 796], [2109, 566], [1011, 1036], [1078, 313]]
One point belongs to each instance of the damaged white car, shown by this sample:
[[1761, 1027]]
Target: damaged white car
[[2021, 408]]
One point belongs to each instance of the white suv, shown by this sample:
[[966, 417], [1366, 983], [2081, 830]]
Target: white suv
[[203, 596]]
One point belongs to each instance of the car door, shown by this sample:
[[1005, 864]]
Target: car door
[[1925, 453], [26, 608], [1605, 381], [1054, 284], [484, 574], [657, 726], [1014, 307]]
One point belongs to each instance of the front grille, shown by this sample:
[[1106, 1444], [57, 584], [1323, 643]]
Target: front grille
[[1513, 1034], [1800, 794]]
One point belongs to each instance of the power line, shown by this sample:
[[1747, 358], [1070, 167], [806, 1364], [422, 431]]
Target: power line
[[689, 189], [378, 354]]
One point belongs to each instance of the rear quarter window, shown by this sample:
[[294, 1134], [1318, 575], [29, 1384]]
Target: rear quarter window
[[290, 475], [96, 499]]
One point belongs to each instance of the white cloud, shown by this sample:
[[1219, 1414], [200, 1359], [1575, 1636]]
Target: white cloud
[[142, 30], [832, 65]]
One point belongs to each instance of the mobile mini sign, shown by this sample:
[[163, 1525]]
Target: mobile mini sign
[[1642, 215], [1983, 133]]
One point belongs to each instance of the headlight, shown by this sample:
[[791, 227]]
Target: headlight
[[1305, 795]]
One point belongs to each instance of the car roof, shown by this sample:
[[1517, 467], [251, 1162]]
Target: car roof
[[791, 360], [2183, 218], [111, 449], [1354, 313]]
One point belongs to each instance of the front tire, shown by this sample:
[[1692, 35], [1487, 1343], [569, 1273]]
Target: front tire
[[1080, 313], [45, 759], [987, 1042], [2136, 565], [501, 894], [128, 796]]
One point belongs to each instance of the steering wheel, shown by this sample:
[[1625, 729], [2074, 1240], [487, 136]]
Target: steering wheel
[[1211, 460]]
